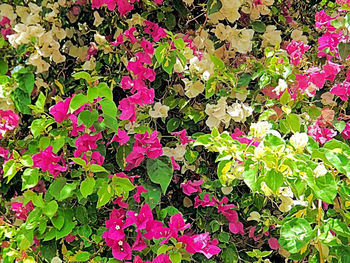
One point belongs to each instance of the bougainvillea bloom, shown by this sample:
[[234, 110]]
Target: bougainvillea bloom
[[139, 190], [21, 212], [346, 132], [273, 243], [296, 50], [85, 143], [191, 187], [200, 243], [182, 136], [342, 90], [8, 121], [322, 135], [46, 160], [122, 137], [60, 110]]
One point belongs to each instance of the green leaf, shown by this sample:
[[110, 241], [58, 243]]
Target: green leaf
[[169, 62], [87, 186], [274, 180], [92, 93], [10, 169], [230, 254], [160, 171], [105, 193], [161, 52], [82, 256], [191, 156], [295, 234], [56, 187], [179, 43], [30, 178], [110, 122], [258, 26], [109, 108], [95, 168], [213, 6], [344, 50], [170, 21], [58, 222], [3, 67], [82, 215], [83, 75], [25, 82], [122, 152], [104, 91], [87, 117], [217, 61], [77, 101], [50, 208], [285, 98], [294, 122], [173, 124], [244, 80], [68, 190], [223, 168], [210, 87], [21, 100], [48, 249], [224, 237], [152, 197], [175, 257]]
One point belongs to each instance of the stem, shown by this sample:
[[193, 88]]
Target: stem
[[319, 216]]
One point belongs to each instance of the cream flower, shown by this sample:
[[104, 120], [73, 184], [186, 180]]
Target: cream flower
[[36, 60], [260, 129], [193, 89], [320, 170], [90, 64], [178, 152], [98, 19], [160, 111], [241, 39], [297, 35], [239, 112], [258, 7], [281, 87], [271, 36], [220, 31], [217, 113], [299, 141], [7, 10]]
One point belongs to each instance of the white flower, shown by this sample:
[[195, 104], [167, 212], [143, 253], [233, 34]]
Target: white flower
[[239, 112], [281, 87], [160, 111], [299, 141], [320, 170], [260, 129]]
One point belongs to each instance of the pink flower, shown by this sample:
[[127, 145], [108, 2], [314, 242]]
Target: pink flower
[[296, 50], [341, 90], [156, 31], [85, 143], [174, 163], [273, 243], [22, 211], [177, 223], [6, 32], [95, 158], [191, 187], [205, 202], [158, 2], [69, 238], [111, 4], [121, 250], [60, 110], [346, 131], [48, 161], [142, 97], [182, 136], [200, 243], [122, 137], [134, 159], [139, 190], [130, 33], [236, 227], [5, 21], [128, 110], [118, 41], [8, 121], [139, 243], [332, 69], [162, 258], [322, 135], [124, 7], [236, 135], [147, 46], [252, 234], [140, 220], [322, 19], [119, 201], [330, 40], [5, 154]]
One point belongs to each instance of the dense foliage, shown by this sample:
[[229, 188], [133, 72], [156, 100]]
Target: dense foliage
[[174, 131]]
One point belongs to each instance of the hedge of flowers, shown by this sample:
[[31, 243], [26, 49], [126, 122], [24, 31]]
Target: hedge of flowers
[[174, 131]]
